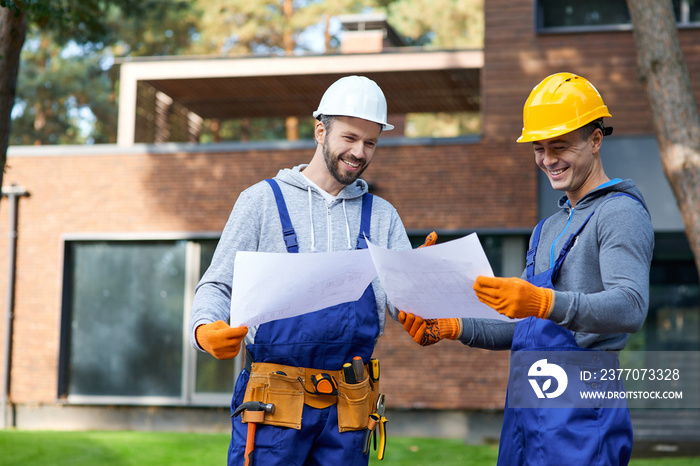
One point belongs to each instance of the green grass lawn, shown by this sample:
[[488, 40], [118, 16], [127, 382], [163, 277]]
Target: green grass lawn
[[29, 448]]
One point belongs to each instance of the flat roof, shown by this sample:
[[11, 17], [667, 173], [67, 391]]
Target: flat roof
[[413, 80]]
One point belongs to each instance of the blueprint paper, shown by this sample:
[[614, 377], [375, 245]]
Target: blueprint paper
[[432, 282], [436, 281], [270, 286]]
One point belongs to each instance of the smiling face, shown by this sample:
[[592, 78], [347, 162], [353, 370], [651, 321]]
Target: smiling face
[[572, 162], [348, 148]]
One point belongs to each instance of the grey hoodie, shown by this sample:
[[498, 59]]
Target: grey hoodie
[[254, 225], [602, 292]]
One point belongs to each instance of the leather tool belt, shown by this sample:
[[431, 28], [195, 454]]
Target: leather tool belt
[[288, 388]]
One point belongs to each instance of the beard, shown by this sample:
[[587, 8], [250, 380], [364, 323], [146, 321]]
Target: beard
[[333, 164]]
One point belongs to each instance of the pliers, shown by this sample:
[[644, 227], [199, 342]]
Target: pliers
[[382, 427], [374, 419]]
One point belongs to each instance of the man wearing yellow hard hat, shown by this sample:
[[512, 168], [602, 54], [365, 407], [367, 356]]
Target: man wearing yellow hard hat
[[584, 290]]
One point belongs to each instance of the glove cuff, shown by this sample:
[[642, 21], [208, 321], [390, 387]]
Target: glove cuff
[[196, 335], [546, 303], [451, 328]]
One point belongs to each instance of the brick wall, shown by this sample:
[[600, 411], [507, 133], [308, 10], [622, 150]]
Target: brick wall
[[490, 184], [516, 59], [448, 187], [447, 375]]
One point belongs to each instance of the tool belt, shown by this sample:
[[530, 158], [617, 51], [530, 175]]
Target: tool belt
[[289, 388]]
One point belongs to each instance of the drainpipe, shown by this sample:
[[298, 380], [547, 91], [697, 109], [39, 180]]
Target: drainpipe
[[13, 194]]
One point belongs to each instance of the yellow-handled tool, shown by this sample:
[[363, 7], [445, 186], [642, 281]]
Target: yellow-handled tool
[[374, 369], [370, 432], [381, 426]]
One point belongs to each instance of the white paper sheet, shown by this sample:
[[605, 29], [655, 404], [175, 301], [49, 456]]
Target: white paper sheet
[[436, 282], [269, 286], [433, 282]]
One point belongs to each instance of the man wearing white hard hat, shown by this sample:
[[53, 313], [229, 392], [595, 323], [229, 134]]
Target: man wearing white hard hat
[[320, 413]]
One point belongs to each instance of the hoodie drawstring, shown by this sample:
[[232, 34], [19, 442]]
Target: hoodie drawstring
[[347, 226], [311, 221]]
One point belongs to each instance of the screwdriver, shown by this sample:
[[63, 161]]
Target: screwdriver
[[374, 369], [359, 368], [349, 373]]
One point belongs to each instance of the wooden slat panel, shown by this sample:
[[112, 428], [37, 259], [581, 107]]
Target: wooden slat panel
[[449, 90]]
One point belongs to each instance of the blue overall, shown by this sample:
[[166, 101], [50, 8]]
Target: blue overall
[[325, 339], [554, 436]]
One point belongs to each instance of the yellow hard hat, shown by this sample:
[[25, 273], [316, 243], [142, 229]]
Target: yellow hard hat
[[560, 104]]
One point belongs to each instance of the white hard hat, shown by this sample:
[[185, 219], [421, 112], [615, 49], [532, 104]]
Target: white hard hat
[[355, 96]]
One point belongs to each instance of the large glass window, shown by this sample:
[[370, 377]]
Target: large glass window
[[673, 319], [673, 322], [212, 376], [693, 11], [570, 13], [125, 334], [126, 309], [574, 15]]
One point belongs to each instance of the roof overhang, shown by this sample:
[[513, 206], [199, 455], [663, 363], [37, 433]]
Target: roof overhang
[[255, 87]]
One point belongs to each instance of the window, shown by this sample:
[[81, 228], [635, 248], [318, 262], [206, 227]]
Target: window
[[672, 323], [572, 13], [578, 15], [212, 378], [691, 8], [125, 325]]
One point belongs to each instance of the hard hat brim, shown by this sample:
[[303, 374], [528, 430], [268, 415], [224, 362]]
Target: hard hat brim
[[385, 126]]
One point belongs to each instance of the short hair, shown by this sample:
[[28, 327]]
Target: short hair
[[327, 121], [586, 130]]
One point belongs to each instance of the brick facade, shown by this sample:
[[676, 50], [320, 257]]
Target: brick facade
[[516, 59], [445, 187], [448, 186]]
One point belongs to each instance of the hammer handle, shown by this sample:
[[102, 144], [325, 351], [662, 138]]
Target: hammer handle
[[250, 444]]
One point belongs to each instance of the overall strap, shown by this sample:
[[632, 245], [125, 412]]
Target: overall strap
[[631, 196], [365, 221], [290, 236], [567, 247], [532, 252]]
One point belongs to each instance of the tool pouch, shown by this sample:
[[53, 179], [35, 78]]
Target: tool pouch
[[355, 403], [284, 391]]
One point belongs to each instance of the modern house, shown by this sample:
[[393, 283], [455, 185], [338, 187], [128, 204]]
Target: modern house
[[105, 243]]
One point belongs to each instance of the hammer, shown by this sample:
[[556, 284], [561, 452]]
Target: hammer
[[256, 413]]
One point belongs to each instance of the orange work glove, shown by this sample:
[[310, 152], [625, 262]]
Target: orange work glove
[[430, 331], [514, 297], [429, 240], [220, 340]]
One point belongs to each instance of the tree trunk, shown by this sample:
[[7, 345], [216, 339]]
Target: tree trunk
[[327, 32], [13, 29], [664, 73]]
